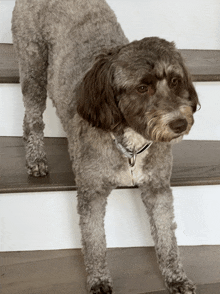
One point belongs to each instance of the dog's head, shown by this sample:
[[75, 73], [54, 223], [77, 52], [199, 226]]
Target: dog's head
[[143, 85]]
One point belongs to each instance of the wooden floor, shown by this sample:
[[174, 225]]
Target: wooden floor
[[195, 163], [134, 271]]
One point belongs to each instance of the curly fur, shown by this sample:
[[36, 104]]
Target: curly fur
[[104, 87]]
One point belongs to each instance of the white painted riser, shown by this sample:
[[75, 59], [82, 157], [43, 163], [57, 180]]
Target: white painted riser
[[206, 127], [43, 221]]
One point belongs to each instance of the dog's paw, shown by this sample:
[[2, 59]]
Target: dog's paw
[[39, 169], [102, 288], [182, 287]]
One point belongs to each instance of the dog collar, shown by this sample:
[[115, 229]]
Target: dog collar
[[130, 154]]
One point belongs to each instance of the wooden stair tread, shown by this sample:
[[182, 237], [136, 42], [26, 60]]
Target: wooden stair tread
[[134, 270], [204, 65], [9, 72], [195, 163]]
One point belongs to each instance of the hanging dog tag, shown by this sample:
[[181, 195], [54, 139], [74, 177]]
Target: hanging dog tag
[[132, 160]]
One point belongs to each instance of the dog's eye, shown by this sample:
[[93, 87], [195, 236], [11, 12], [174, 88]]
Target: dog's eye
[[174, 82], [143, 89]]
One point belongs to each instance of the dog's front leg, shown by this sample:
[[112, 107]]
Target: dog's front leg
[[159, 204], [91, 208]]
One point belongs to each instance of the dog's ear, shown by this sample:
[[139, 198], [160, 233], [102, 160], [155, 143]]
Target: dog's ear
[[96, 101], [193, 97]]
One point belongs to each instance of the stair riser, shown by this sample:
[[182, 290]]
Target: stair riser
[[206, 127], [50, 221]]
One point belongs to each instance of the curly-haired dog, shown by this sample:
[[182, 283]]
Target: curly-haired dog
[[120, 110]]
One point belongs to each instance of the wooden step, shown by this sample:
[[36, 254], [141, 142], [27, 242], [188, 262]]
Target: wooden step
[[134, 270], [204, 65], [9, 72], [195, 163]]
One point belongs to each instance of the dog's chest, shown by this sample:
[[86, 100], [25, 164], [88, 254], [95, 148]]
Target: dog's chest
[[132, 176], [131, 173]]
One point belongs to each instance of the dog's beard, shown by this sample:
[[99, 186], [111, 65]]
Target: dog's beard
[[159, 120]]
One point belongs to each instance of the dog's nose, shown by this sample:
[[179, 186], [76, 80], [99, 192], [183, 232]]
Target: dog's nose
[[178, 125]]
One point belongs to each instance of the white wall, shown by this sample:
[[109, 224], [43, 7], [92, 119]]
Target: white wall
[[6, 8], [190, 23]]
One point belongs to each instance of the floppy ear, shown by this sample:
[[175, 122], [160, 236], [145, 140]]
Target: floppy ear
[[95, 96], [193, 97]]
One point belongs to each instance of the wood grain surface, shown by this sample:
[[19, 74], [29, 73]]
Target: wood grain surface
[[204, 65], [14, 178], [134, 271], [195, 163], [9, 72]]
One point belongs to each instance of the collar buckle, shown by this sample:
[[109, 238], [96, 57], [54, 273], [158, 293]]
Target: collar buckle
[[132, 160], [131, 155]]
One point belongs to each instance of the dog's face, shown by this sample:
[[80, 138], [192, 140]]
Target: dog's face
[[143, 85]]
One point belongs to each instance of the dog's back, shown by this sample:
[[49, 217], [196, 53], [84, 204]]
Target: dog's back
[[66, 36]]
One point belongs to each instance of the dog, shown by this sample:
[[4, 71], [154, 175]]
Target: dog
[[122, 106]]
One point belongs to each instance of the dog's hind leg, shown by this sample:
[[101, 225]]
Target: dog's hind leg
[[159, 204], [33, 78], [91, 208]]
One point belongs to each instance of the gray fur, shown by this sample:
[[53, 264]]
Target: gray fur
[[104, 87]]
